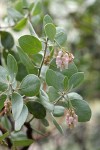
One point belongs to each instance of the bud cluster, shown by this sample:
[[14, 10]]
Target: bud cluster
[[71, 118], [7, 106], [63, 59]]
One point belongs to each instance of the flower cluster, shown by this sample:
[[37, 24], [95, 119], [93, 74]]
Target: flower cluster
[[71, 118], [63, 59], [7, 106]]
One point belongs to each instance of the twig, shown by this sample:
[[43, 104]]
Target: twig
[[31, 119], [57, 100], [46, 44]]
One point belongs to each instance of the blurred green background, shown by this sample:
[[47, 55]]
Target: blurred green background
[[81, 21]]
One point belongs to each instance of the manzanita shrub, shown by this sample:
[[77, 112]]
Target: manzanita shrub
[[37, 81]]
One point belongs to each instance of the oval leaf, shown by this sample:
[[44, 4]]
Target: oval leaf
[[58, 111], [36, 109], [30, 85], [12, 66], [3, 79], [20, 25], [26, 61], [22, 142], [61, 35], [56, 80], [57, 125], [76, 79], [47, 19], [50, 31], [17, 105], [30, 44], [45, 101], [74, 95], [37, 8], [53, 94], [72, 69], [82, 109], [45, 122], [7, 40], [22, 118]]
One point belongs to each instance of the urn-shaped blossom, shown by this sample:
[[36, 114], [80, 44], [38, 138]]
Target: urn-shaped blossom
[[71, 118], [63, 59]]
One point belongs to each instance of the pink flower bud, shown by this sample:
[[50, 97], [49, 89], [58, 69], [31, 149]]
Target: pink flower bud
[[71, 57], [59, 63], [71, 118], [58, 58], [63, 59], [60, 53]]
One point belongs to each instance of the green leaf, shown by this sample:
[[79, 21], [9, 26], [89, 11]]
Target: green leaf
[[74, 95], [51, 78], [57, 80], [50, 31], [45, 101], [62, 81], [22, 72], [2, 137], [82, 109], [44, 94], [25, 4], [12, 66], [18, 135], [20, 25], [26, 61], [51, 52], [2, 100], [7, 40], [31, 6], [30, 85], [53, 94], [30, 44], [17, 105], [60, 36], [36, 20], [32, 31], [3, 85], [16, 15], [36, 109], [20, 139], [49, 106], [57, 125], [47, 19], [45, 122], [19, 6], [65, 83], [22, 118], [72, 69], [6, 123], [76, 79], [37, 9], [3, 79], [22, 142], [58, 111], [37, 58]]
